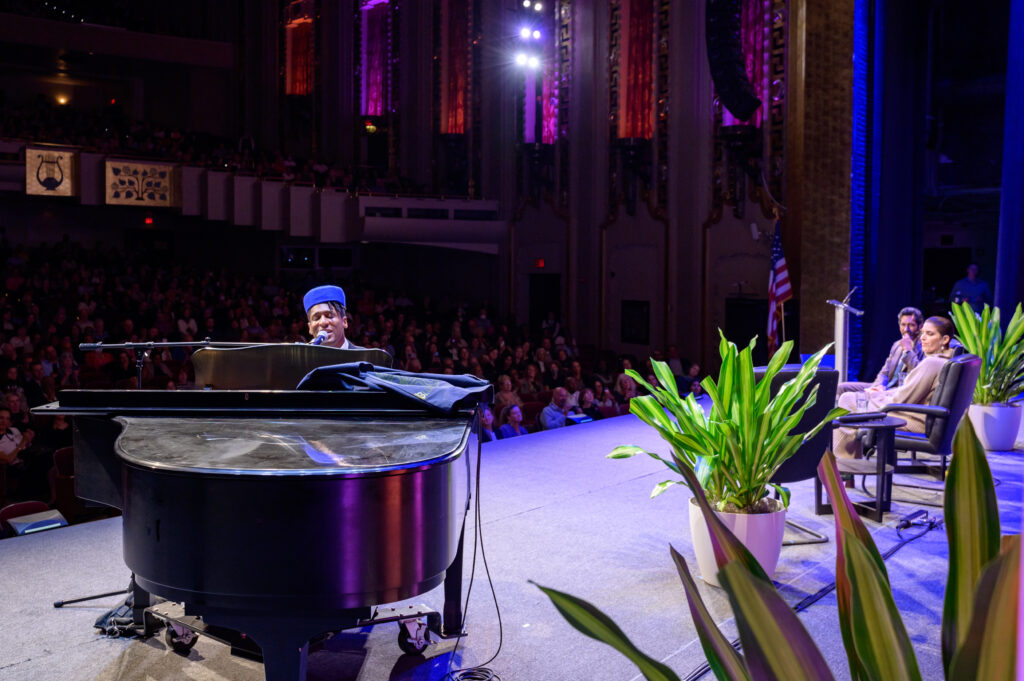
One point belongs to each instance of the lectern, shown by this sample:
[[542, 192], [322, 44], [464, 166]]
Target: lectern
[[842, 332]]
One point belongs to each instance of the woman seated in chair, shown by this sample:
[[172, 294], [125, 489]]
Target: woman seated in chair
[[487, 433], [512, 422], [936, 336]]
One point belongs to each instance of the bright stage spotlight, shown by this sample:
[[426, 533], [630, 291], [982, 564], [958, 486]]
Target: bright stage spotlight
[[536, 35], [521, 59], [526, 4], [533, 62], [537, 6], [524, 32]]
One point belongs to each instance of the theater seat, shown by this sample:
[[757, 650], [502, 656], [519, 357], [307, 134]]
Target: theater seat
[[17, 510]]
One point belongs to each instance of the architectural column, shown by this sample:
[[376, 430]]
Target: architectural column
[[816, 235]]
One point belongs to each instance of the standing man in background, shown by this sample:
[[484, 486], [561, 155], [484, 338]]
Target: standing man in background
[[971, 290]]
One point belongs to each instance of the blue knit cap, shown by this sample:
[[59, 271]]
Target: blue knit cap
[[323, 294]]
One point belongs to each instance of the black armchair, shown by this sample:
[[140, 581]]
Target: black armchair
[[803, 465], [950, 399]]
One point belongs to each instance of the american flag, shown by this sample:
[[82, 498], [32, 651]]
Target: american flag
[[779, 291]]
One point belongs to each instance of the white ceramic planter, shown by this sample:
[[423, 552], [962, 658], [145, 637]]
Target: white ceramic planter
[[761, 533], [1020, 433], [996, 425]]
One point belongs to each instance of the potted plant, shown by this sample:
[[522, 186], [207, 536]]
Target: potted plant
[[1001, 378], [979, 615], [736, 449]]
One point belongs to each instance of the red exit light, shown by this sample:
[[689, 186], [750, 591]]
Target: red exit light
[[539, 263]]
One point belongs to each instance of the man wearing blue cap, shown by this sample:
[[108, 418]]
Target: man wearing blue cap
[[325, 312]]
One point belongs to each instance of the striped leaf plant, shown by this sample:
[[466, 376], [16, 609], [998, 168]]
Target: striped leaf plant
[[1002, 354], [736, 449], [979, 623]]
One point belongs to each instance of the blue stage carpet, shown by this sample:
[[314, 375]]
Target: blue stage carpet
[[555, 511]]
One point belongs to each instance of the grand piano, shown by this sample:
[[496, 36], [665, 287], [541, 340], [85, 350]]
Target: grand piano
[[278, 513]]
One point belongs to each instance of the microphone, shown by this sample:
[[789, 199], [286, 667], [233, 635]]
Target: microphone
[[320, 338]]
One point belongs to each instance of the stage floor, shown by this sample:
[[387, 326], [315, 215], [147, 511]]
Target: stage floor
[[554, 511]]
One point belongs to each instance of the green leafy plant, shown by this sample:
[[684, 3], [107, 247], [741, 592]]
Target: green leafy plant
[[736, 449], [1002, 355], [979, 626]]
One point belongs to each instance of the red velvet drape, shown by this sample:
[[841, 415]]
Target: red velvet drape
[[299, 68], [636, 114], [375, 45], [457, 52]]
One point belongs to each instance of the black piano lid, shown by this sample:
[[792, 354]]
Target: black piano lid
[[245, 446]]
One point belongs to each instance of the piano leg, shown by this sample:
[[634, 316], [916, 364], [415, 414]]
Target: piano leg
[[284, 639], [284, 661], [452, 625], [145, 623]]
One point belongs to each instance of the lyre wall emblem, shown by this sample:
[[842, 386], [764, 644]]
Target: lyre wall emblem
[[49, 173]]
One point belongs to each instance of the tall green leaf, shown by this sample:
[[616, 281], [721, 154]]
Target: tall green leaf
[[776, 644], [588, 619], [990, 649], [879, 636], [1002, 355], [725, 662], [972, 529], [848, 523]]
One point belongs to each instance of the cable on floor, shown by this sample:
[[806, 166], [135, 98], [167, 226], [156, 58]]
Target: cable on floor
[[479, 672]]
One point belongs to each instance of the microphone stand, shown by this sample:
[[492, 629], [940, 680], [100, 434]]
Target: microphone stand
[[842, 333], [142, 350], [141, 623]]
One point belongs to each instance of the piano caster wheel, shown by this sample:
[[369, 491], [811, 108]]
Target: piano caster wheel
[[413, 636], [180, 639]]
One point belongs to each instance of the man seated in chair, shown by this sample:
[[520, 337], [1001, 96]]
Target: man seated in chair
[[553, 415], [325, 313], [936, 336], [905, 354]]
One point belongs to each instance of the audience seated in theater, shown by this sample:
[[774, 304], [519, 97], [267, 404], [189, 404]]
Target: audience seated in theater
[[572, 389], [511, 422], [553, 415], [936, 335], [625, 388], [67, 294], [487, 433], [692, 375], [696, 389], [588, 406], [18, 410], [603, 396], [530, 384], [56, 434], [675, 363]]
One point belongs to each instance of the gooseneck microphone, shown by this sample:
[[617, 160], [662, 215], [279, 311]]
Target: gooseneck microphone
[[320, 338]]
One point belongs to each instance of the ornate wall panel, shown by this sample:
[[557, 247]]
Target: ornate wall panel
[[563, 77]]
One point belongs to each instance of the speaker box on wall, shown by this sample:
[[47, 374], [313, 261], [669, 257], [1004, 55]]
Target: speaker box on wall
[[725, 57]]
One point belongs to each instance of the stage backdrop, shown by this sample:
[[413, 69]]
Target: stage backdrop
[[51, 172], [143, 183]]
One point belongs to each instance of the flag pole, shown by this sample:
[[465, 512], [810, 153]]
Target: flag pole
[[782, 322]]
